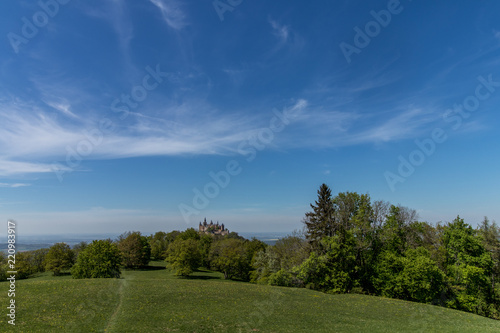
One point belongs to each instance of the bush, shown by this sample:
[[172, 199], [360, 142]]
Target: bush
[[100, 259], [282, 278], [59, 257]]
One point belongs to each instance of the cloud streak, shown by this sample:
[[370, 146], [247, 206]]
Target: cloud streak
[[171, 12], [15, 185], [281, 32], [31, 142]]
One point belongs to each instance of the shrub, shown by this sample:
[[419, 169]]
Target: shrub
[[59, 257], [100, 259]]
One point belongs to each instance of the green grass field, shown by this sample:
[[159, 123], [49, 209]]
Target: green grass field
[[157, 301]]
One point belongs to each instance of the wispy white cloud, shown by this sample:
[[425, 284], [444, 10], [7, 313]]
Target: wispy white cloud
[[282, 32], [28, 141], [172, 13], [24, 134], [14, 185], [402, 126], [122, 24], [10, 168], [287, 39], [62, 106]]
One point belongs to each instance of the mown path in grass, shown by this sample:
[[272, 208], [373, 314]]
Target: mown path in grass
[[121, 292], [155, 300]]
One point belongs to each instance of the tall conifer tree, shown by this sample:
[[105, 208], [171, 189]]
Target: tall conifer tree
[[321, 221]]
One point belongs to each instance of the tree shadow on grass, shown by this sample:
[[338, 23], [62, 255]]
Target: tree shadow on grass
[[146, 268], [202, 277]]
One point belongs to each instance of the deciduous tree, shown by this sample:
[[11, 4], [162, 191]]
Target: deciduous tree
[[229, 256], [59, 257], [184, 256], [135, 249], [100, 259]]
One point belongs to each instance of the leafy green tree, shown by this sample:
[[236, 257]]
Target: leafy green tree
[[77, 248], [380, 210], [253, 246], [205, 243], [421, 280], [184, 256], [291, 251], [341, 261], [347, 205], [230, 257], [468, 266], [189, 234], [413, 276], [172, 236], [100, 259], [59, 257], [264, 263], [135, 249], [490, 234], [159, 245], [333, 271], [368, 244], [23, 266], [312, 272], [422, 234], [389, 267], [38, 260], [321, 221], [394, 231], [231, 235]]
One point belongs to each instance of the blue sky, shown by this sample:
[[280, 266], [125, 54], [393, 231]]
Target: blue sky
[[117, 115]]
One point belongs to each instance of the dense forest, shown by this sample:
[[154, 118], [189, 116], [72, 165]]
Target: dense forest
[[349, 244]]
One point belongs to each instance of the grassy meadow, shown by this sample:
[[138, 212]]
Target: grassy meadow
[[155, 300]]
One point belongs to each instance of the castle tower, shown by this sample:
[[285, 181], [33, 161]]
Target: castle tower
[[212, 228]]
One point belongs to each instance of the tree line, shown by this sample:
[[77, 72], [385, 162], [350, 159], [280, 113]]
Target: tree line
[[354, 245], [349, 244], [99, 259], [184, 252]]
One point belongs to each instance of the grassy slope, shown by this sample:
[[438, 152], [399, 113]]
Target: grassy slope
[[156, 301]]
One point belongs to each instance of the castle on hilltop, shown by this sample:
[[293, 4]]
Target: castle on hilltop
[[211, 228]]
